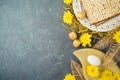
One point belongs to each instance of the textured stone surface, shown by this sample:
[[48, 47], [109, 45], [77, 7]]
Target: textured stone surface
[[33, 44]]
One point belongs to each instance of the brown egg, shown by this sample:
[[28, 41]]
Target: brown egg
[[72, 35], [76, 43], [81, 15]]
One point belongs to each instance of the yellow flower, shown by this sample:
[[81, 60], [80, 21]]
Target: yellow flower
[[69, 77], [67, 1], [107, 73], [107, 78], [92, 71], [116, 36], [85, 39], [67, 17], [116, 75]]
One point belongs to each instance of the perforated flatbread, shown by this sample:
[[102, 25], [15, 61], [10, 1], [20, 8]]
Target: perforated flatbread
[[99, 10]]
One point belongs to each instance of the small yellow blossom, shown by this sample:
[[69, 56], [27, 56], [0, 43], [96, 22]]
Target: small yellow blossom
[[92, 71], [116, 36], [107, 78], [107, 73], [67, 17], [69, 77], [67, 1], [116, 75], [85, 39]]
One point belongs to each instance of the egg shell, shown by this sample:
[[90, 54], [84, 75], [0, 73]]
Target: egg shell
[[94, 60]]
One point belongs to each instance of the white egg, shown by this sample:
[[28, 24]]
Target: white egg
[[94, 60]]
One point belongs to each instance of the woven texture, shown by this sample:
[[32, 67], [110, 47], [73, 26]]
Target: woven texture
[[106, 26]]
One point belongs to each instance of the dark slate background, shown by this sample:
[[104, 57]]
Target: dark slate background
[[33, 44]]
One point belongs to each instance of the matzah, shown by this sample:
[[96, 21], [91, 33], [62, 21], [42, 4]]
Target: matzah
[[99, 10], [97, 24]]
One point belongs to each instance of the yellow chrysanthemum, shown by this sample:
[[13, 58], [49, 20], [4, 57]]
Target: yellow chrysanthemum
[[67, 17], [85, 39], [92, 71], [116, 75], [116, 36], [107, 78], [67, 1], [107, 73], [69, 77]]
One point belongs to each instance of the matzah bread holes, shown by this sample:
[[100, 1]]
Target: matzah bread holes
[[107, 26]]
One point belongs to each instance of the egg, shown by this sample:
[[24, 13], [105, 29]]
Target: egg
[[81, 15], [94, 60]]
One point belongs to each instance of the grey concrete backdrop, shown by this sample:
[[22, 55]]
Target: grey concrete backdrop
[[33, 44]]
